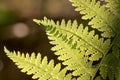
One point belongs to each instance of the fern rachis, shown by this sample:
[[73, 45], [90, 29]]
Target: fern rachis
[[82, 51]]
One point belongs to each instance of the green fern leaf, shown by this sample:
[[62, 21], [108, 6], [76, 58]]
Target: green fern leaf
[[79, 49], [111, 65], [82, 51], [113, 6], [40, 68], [75, 36], [92, 10]]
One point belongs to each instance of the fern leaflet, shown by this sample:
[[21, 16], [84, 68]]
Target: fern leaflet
[[113, 6], [111, 65], [40, 68], [92, 10]]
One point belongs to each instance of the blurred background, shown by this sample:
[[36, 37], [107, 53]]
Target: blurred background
[[18, 32]]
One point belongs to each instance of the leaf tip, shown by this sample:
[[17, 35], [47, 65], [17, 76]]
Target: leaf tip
[[36, 21], [6, 50]]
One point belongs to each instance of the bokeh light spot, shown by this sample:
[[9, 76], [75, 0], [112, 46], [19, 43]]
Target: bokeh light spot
[[20, 30]]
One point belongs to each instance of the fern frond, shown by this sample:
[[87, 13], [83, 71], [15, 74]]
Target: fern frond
[[110, 67], [113, 6], [77, 33], [75, 46], [40, 68], [83, 52], [101, 18]]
